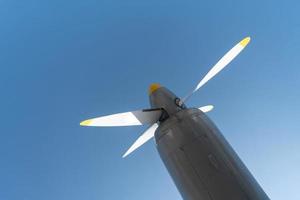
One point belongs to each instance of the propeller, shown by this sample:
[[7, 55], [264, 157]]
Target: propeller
[[221, 64], [133, 118], [147, 135], [152, 116], [207, 108]]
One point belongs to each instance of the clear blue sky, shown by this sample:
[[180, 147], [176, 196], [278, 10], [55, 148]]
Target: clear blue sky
[[65, 61]]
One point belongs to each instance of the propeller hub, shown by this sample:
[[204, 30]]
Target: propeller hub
[[161, 97]]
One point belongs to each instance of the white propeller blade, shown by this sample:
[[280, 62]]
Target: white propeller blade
[[223, 62], [138, 117], [147, 135], [206, 108]]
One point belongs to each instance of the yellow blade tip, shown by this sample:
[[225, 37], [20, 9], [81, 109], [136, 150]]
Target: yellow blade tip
[[153, 87], [86, 122], [245, 41]]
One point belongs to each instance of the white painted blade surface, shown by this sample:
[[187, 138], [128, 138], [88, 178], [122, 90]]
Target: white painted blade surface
[[206, 108], [147, 135], [133, 118], [221, 64]]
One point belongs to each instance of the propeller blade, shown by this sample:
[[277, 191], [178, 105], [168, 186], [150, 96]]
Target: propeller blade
[[221, 64], [147, 135], [206, 109], [139, 117]]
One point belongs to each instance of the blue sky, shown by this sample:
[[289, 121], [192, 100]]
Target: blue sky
[[65, 61]]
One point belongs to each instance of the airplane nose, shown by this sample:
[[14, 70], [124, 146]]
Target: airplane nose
[[153, 87]]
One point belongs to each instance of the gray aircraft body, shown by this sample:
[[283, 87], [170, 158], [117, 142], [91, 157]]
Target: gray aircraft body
[[199, 159]]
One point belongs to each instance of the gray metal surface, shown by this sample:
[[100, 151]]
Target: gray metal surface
[[199, 159], [201, 162]]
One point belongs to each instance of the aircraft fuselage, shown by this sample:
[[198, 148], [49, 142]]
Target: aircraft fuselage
[[200, 161]]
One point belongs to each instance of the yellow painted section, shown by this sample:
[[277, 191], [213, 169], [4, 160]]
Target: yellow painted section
[[153, 87], [86, 122], [245, 41]]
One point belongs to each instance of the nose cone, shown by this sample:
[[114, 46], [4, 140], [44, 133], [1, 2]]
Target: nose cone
[[161, 97], [153, 87]]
